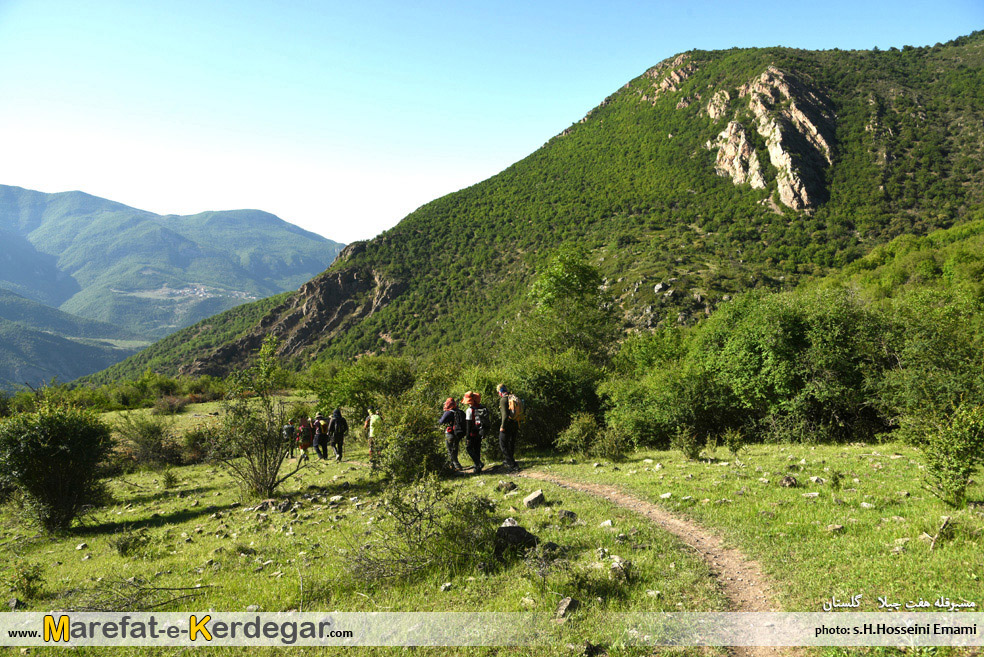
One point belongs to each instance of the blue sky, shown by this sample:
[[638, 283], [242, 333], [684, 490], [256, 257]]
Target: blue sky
[[342, 117]]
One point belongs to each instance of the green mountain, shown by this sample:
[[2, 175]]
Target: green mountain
[[39, 343], [146, 273], [710, 174]]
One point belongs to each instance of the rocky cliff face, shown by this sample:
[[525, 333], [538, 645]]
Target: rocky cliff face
[[796, 121], [320, 310]]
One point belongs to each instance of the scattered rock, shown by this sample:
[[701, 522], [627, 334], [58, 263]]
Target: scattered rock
[[534, 499], [789, 481], [606, 523], [510, 522], [446, 586], [620, 569], [567, 516], [867, 505], [253, 608], [505, 486], [567, 606], [515, 537], [833, 529], [596, 465], [817, 480], [666, 496], [14, 604], [811, 494], [82, 546], [653, 593], [528, 602]]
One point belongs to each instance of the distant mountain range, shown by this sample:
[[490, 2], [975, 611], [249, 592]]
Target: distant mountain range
[[709, 174], [140, 275]]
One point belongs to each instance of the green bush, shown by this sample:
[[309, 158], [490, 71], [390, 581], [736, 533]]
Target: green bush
[[953, 452], [579, 436], [149, 441], [169, 405], [554, 388], [51, 456], [26, 578], [686, 441], [428, 529], [411, 447], [195, 442], [611, 443]]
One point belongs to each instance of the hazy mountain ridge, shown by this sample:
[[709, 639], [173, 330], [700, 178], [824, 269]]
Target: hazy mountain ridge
[[148, 273], [852, 149]]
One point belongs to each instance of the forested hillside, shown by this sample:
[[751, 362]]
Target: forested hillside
[[710, 174]]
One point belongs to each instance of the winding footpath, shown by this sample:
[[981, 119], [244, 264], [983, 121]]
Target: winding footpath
[[741, 578]]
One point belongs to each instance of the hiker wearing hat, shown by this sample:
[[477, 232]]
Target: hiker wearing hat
[[478, 422], [511, 412], [321, 436], [455, 429]]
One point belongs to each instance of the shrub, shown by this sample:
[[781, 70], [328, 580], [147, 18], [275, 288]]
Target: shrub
[[579, 436], [195, 442], [734, 440], [251, 447], [26, 578], [412, 447], [429, 529], [149, 440], [554, 387], [51, 457], [953, 452], [168, 479], [611, 443], [169, 405], [128, 542], [685, 441]]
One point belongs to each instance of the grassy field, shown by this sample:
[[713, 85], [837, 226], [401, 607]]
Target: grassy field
[[857, 522], [200, 533], [865, 534]]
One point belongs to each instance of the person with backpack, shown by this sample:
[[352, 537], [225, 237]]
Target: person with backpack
[[453, 420], [478, 422], [337, 428], [305, 438], [290, 436], [373, 420], [512, 411], [321, 436]]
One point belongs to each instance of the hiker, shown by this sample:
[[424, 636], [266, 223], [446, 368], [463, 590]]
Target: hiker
[[373, 420], [290, 436], [320, 436], [305, 438], [511, 410], [337, 428], [479, 424], [453, 419]]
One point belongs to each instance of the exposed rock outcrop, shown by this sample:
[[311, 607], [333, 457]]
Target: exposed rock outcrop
[[717, 106], [668, 75], [322, 308], [736, 157], [796, 121]]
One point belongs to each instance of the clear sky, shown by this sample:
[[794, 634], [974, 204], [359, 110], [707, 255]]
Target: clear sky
[[342, 117]]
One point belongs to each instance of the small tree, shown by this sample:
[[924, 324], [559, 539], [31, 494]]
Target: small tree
[[953, 452], [250, 444], [51, 456]]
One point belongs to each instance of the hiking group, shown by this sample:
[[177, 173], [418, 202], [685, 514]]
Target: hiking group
[[474, 425], [318, 433]]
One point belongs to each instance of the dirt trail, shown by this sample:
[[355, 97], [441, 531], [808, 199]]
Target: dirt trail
[[741, 578]]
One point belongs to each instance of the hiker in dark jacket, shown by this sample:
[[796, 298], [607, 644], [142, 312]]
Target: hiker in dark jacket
[[290, 435], [475, 430], [453, 420], [508, 428], [337, 428]]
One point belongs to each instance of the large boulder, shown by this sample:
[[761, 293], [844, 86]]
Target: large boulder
[[513, 539]]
